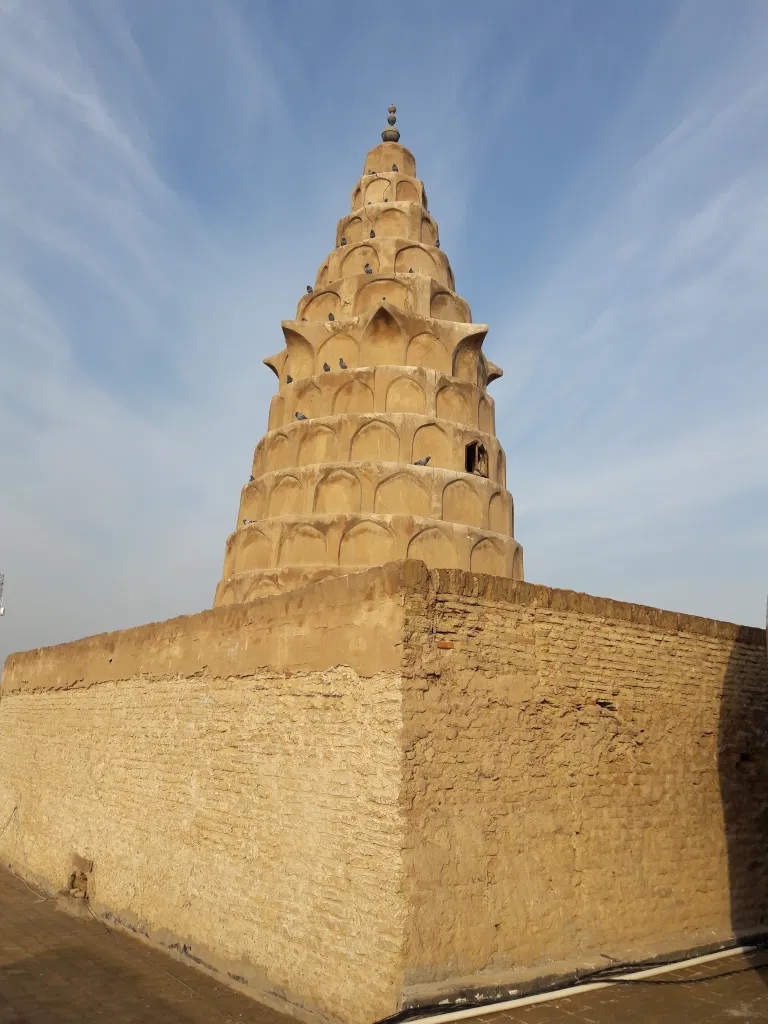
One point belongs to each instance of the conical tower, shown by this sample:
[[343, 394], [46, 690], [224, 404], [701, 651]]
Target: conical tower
[[381, 441]]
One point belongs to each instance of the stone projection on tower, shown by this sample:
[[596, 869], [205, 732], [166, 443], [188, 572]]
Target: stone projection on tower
[[381, 441]]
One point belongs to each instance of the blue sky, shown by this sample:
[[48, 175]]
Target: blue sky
[[171, 177]]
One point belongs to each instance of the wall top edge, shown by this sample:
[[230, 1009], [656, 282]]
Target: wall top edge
[[446, 582], [339, 602]]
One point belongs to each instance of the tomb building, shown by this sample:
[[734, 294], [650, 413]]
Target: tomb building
[[381, 441]]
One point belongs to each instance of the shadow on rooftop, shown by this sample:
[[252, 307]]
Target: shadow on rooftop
[[743, 770]]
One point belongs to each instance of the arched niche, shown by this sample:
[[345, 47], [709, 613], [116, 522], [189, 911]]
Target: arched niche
[[378, 190], [253, 504], [254, 551], [392, 224], [466, 356], [414, 258], [337, 491], [353, 230], [230, 554], [402, 494], [367, 544], [463, 504], [356, 259], [321, 304], [501, 469], [407, 192], [276, 412], [451, 404], [428, 230], [302, 545], [338, 346], [286, 497], [300, 361], [498, 520], [373, 294], [445, 306], [427, 350], [488, 557], [322, 277], [405, 394], [225, 595], [377, 441], [317, 444], [309, 400], [433, 441], [353, 397], [436, 548], [357, 195], [517, 564], [262, 587], [383, 341], [276, 452], [485, 416]]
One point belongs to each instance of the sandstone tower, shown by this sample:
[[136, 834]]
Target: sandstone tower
[[381, 440]]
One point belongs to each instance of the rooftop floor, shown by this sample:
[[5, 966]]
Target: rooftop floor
[[59, 969], [56, 968]]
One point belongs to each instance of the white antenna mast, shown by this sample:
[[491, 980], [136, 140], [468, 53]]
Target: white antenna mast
[[2, 581]]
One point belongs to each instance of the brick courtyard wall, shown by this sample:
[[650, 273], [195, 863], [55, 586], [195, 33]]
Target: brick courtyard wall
[[399, 784], [582, 777], [234, 777]]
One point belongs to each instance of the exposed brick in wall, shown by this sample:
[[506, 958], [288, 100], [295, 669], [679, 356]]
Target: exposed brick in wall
[[235, 787], [399, 779], [564, 767]]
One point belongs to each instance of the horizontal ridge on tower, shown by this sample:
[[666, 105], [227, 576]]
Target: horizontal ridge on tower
[[381, 439]]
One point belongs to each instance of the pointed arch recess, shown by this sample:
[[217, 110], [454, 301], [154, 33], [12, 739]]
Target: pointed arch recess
[[463, 504], [402, 494], [337, 491], [383, 341], [367, 543], [436, 548], [405, 394], [377, 441]]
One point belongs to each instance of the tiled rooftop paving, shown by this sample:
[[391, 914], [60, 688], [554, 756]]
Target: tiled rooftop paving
[[60, 969]]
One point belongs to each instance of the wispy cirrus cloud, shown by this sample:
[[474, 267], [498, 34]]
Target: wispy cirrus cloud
[[636, 404], [176, 172]]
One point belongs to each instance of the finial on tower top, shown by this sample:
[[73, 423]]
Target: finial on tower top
[[391, 134]]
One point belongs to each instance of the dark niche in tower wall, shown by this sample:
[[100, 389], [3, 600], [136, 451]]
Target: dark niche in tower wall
[[477, 458]]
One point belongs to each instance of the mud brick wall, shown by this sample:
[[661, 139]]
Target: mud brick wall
[[399, 784], [234, 779], [582, 776]]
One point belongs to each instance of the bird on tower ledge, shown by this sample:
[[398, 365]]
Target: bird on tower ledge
[[394, 454]]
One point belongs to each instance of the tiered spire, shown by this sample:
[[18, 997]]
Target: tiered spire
[[381, 441]]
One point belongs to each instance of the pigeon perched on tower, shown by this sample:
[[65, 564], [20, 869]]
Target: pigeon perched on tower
[[301, 416], [342, 364], [422, 462], [326, 367]]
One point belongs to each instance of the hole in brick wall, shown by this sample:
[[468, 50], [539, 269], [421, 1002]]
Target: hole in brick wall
[[477, 458], [80, 877]]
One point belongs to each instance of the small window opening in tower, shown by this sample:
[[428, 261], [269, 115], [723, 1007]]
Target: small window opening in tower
[[477, 458]]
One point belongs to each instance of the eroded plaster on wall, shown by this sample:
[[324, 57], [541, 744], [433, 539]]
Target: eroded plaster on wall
[[394, 783]]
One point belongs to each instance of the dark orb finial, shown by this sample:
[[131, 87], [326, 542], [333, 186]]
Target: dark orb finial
[[391, 134]]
